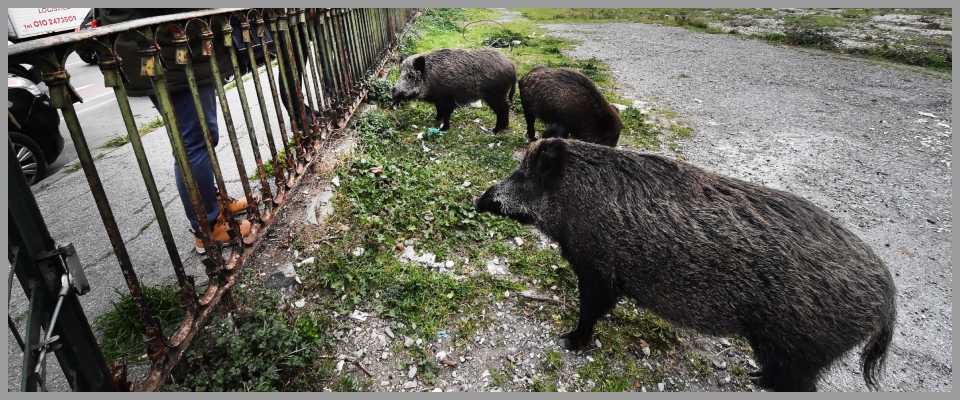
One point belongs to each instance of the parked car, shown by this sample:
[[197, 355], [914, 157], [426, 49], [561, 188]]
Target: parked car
[[89, 22], [33, 125]]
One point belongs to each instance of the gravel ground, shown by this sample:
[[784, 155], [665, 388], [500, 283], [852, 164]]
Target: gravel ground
[[869, 143]]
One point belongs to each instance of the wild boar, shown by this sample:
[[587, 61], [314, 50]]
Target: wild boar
[[708, 252], [570, 104], [451, 78]]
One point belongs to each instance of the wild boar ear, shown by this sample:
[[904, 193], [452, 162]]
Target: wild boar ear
[[548, 162], [419, 64]]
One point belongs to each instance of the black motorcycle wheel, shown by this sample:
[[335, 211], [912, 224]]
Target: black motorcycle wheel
[[30, 156], [89, 58]]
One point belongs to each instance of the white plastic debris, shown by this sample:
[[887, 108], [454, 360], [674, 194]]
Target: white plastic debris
[[476, 104], [358, 251], [359, 315], [926, 114], [518, 241], [307, 261], [466, 184], [336, 181], [300, 303]]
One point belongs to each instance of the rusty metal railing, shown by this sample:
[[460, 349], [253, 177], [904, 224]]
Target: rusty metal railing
[[340, 48]]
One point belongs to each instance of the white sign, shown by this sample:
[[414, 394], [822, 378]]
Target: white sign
[[27, 22]]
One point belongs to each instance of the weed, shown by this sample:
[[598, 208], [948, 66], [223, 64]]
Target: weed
[[503, 39], [378, 91], [811, 37], [143, 130], [498, 379], [117, 142], [256, 349], [73, 167], [698, 365], [121, 330]]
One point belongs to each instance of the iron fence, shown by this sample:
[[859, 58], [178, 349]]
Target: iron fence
[[334, 50]]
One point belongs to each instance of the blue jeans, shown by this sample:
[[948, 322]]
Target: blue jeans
[[190, 130]]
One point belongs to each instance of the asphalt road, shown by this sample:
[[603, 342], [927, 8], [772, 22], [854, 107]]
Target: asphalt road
[[99, 115], [868, 142]]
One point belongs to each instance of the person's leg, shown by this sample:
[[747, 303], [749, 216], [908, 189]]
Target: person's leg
[[188, 123]]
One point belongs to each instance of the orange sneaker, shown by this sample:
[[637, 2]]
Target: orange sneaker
[[220, 233], [237, 206]]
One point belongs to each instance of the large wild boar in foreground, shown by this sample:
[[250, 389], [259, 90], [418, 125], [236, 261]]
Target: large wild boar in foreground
[[708, 252], [570, 104], [450, 78]]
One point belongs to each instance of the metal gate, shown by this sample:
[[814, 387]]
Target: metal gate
[[343, 47]]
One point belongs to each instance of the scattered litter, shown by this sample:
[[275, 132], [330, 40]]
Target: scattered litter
[[926, 114], [443, 335], [698, 100], [359, 315], [466, 184], [425, 148], [300, 303], [307, 261], [358, 251], [420, 135], [336, 181], [518, 241], [619, 107], [515, 42], [476, 104]]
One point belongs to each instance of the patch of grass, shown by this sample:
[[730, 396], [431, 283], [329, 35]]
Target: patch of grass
[[258, 349], [811, 37], [143, 130], [378, 91], [121, 331], [498, 379], [116, 142], [73, 167], [802, 30], [936, 59]]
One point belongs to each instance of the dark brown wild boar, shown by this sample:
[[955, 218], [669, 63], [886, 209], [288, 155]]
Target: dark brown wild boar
[[570, 104], [708, 252], [451, 78]]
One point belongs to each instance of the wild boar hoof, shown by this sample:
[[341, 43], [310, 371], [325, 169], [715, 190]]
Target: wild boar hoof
[[573, 342]]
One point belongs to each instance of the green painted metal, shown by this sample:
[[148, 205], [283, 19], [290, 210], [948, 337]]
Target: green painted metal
[[344, 47]]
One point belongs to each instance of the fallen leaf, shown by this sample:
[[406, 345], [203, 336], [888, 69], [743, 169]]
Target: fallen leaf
[[905, 251], [643, 343], [636, 385], [448, 362], [527, 312]]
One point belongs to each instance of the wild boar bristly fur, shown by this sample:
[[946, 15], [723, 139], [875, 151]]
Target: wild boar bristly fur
[[570, 105], [451, 78], [708, 252]]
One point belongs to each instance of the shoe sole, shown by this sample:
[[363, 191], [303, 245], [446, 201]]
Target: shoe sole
[[202, 251]]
